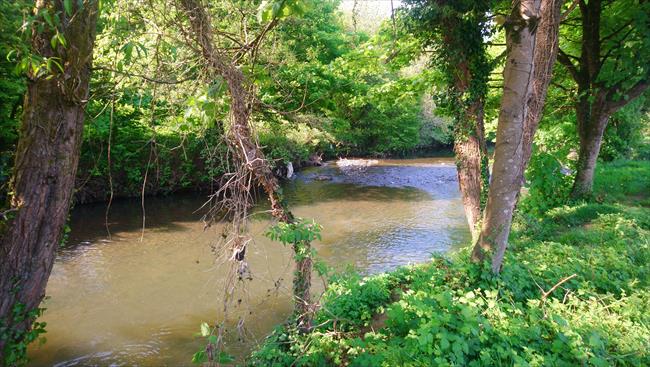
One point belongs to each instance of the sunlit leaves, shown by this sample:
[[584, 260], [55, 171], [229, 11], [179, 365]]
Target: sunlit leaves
[[205, 329], [277, 9], [58, 39], [291, 233]]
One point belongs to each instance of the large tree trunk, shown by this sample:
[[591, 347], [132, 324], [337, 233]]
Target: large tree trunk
[[470, 151], [532, 38], [45, 166]]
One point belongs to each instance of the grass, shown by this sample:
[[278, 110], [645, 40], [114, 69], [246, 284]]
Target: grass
[[574, 291]]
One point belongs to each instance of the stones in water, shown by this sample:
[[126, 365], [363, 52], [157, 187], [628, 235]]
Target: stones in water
[[289, 170], [345, 162]]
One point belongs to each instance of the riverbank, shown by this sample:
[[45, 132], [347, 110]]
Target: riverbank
[[573, 291], [174, 164]]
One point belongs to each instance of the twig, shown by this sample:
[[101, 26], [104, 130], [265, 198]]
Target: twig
[[546, 294]]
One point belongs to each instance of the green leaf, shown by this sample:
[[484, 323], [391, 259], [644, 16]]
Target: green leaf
[[128, 52], [199, 357], [67, 5], [51, 61], [226, 358], [264, 12], [48, 18], [10, 54], [444, 343], [61, 39]]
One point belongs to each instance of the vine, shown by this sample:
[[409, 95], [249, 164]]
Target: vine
[[16, 340]]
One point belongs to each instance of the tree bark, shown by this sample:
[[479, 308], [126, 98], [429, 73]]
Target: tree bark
[[46, 163], [591, 122], [469, 136], [532, 39], [458, 31], [470, 151], [241, 138]]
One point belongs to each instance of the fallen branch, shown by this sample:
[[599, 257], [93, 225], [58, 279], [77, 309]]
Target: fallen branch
[[546, 294]]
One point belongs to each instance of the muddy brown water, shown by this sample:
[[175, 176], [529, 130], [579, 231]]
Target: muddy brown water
[[130, 299]]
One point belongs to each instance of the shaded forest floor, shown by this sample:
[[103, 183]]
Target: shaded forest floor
[[573, 291]]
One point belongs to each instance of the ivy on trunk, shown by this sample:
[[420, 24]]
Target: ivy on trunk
[[46, 161]]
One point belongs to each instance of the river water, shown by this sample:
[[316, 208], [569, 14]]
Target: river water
[[130, 298]]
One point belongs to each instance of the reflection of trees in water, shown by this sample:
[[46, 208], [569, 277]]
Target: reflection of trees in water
[[302, 193], [87, 221], [390, 184]]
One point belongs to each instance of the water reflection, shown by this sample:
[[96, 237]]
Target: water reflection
[[121, 301]]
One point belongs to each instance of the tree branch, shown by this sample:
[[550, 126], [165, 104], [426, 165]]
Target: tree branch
[[565, 59], [548, 293], [569, 11], [615, 47], [635, 91], [615, 32], [149, 79]]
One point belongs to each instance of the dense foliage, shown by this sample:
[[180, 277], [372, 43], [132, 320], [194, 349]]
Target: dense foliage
[[574, 291], [324, 89], [12, 86]]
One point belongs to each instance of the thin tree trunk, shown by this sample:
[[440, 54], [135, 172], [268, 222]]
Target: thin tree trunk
[[46, 163], [240, 137], [591, 136], [532, 38]]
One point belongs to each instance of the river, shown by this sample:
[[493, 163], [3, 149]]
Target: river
[[133, 298]]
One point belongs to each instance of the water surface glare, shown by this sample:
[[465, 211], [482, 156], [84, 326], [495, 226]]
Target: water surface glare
[[130, 299]]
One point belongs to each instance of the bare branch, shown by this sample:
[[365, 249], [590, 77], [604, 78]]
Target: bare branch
[[565, 59], [548, 293]]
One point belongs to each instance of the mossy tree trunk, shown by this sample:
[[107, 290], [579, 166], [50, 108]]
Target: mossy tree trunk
[[46, 163], [471, 157]]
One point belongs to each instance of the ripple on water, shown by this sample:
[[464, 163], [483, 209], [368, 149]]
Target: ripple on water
[[130, 299]]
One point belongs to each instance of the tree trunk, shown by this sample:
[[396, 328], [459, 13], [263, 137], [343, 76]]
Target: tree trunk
[[591, 127], [469, 148], [241, 139], [532, 38], [598, 100], [46, 163]]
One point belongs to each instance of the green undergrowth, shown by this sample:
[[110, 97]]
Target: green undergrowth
[[574, 290]]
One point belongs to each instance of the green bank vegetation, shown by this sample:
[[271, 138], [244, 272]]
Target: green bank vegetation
[[573, 291]]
